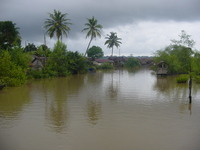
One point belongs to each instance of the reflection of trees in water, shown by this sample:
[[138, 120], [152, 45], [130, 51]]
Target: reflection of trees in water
[[93, 79], [59, 89], [57, 115], [12, 101], [113, 88], [94, 111], [185, 106], [112, 91], [169, 88], [93, 82], [161, 84], [195, 87], [175, 92]]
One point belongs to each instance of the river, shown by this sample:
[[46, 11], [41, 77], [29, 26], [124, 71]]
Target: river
[[106, 110]]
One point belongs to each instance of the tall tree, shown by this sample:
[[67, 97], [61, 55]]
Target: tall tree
[[9, 35], [95, 52], [93, 29], [57, 24], [184, 40], [58, 61], [113, 40]]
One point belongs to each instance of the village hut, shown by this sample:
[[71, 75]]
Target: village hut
[[162, 68], [37, 63]]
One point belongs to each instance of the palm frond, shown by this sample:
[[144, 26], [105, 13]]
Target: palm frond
[[57, 23], [93, 29], [112, 40]]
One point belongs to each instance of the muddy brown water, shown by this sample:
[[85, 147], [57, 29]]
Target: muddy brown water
[[106, 110]]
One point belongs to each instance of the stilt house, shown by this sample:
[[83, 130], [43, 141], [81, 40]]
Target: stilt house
[[162, 68]]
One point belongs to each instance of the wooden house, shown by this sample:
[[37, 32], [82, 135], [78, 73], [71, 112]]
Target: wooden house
[[162, 68], [37, 63]]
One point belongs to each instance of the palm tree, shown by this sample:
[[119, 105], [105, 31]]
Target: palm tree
[[57, 24], [112, 40], [93, 29]]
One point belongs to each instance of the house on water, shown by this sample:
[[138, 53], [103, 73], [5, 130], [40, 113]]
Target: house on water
[[162, 68]]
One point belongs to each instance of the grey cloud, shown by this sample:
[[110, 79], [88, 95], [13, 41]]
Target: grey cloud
[[30, 15]]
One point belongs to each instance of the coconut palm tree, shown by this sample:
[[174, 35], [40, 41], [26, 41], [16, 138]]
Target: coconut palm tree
[[93, 29], [112, 40], [57, 24]]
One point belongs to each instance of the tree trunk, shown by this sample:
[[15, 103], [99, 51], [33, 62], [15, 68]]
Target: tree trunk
[[112, 51], [88, 46]]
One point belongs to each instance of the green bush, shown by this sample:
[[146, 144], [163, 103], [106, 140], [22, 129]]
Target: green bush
[[95, 52], [182, 78], [76, 63], [42, 74], [132, 62], [65, 62], [58, 60], [11, 73], [20, 58]]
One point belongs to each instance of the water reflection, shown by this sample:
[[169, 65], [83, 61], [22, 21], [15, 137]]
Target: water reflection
[[112, 88], [12, 102], [162, 84], [94, 111], [56, 108], [175, 92], [185, 107], [55, 94], [116, 109], [57, 115]]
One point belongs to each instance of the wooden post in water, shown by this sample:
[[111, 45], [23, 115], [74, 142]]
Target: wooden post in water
[[190, 89]]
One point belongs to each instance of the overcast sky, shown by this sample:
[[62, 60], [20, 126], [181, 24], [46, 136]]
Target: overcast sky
[[143, 25]]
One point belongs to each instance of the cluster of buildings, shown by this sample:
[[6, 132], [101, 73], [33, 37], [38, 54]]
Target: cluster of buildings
[[122, 60], [37, 63]]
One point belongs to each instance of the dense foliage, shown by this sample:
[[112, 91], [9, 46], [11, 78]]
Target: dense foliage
[[132, 62], [95, 52], [65, 62], [13, 67], [57, 61], [180, 56], [43, 51], [183, 78], [30, 48], [9, 35], [76, 62]]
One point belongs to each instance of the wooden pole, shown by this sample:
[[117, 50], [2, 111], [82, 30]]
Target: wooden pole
[[190, 89]]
